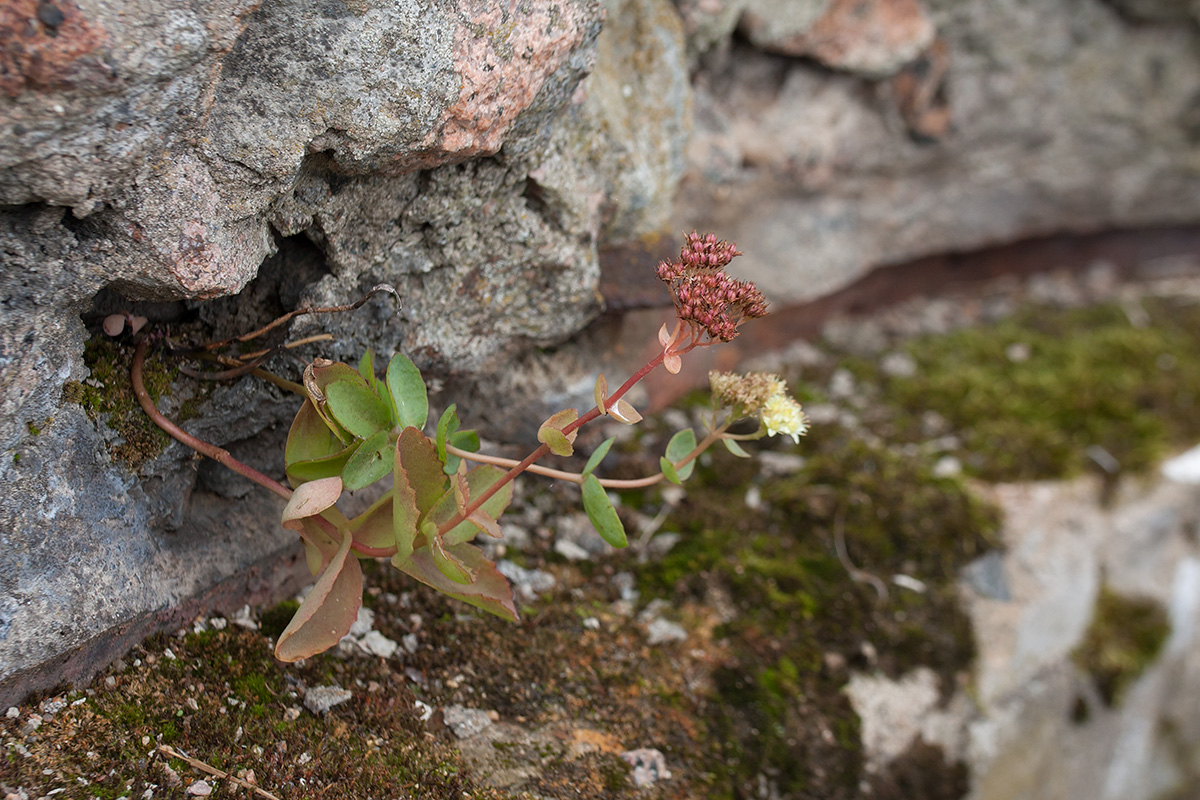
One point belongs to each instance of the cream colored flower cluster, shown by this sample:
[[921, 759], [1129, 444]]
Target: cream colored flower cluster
[[763, 394]]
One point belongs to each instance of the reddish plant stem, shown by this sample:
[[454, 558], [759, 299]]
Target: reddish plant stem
[[199, 445], [544, 449], [218, 454]]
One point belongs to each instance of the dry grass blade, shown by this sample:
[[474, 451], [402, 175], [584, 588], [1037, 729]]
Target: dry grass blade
[[216, 773]]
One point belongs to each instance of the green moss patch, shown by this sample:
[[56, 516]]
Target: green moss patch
[[801, 619], [1030, 395], [222, 699], [1125, 637], [107, 396]]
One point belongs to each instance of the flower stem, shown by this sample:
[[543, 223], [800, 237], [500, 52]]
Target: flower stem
[[528, 461]]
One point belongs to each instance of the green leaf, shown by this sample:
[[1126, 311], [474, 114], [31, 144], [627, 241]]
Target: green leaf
[[319, 547], [668, 469], [735, 448], [602, 514], [317, 377], [410, 404], [551, 432], [490, 591], [405, 513], [328, 610], [370, 462], [417, 456], [446, 428], [463, 440], [678, 448], [598, 455], [309, 437], [366, 368], [477, 481], [447, 563], [374, 527], [317, 468], [357, 408]]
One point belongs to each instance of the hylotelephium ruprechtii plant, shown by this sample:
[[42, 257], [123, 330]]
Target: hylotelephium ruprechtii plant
[[356, 427]]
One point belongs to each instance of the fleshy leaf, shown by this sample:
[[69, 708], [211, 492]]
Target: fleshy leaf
[[370, 462], [668, 470], [448, 564], [318, 468], [311, 499], [319, 547], [405, 513], [551, 432], [317, 377], [490, 591], [418, 457], [327, 612], [446, 427], [486, 524], [558, 443], [477, 481], [673, 363], [623, 412], [366, 368], [374, 527], [309, 437], [357, 408], [678, 448], [598, 455], [601, 393], [602, 514], [463, 440], [735, 448], [410, 404]]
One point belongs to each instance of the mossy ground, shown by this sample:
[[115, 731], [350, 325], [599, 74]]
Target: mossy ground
[[798, 622], [1047, 393], [1125, 636], [752, 702], [107, 396]]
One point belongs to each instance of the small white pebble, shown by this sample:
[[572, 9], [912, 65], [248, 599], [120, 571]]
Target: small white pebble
[[592, 624], [1018, 352], [192, 704], [200, 788], [13, 712], [218, 623], [753, 499], [304, 758]]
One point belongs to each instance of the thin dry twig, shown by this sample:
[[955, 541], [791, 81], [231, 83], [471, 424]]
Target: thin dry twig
[[856, 574], [245, 337], [216, 773]]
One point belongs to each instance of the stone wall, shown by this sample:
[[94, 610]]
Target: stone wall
[[482, 160]]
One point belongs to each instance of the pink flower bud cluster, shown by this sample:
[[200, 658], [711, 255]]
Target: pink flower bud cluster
[[704, 295]]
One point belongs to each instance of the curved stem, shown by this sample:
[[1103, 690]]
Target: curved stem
[[557, 474], [528, 461], [199, 445]]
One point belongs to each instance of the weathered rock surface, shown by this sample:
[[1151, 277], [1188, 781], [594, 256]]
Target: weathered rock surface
[[171, 151], [1018, 120], [167, 151], [1034, 725]]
